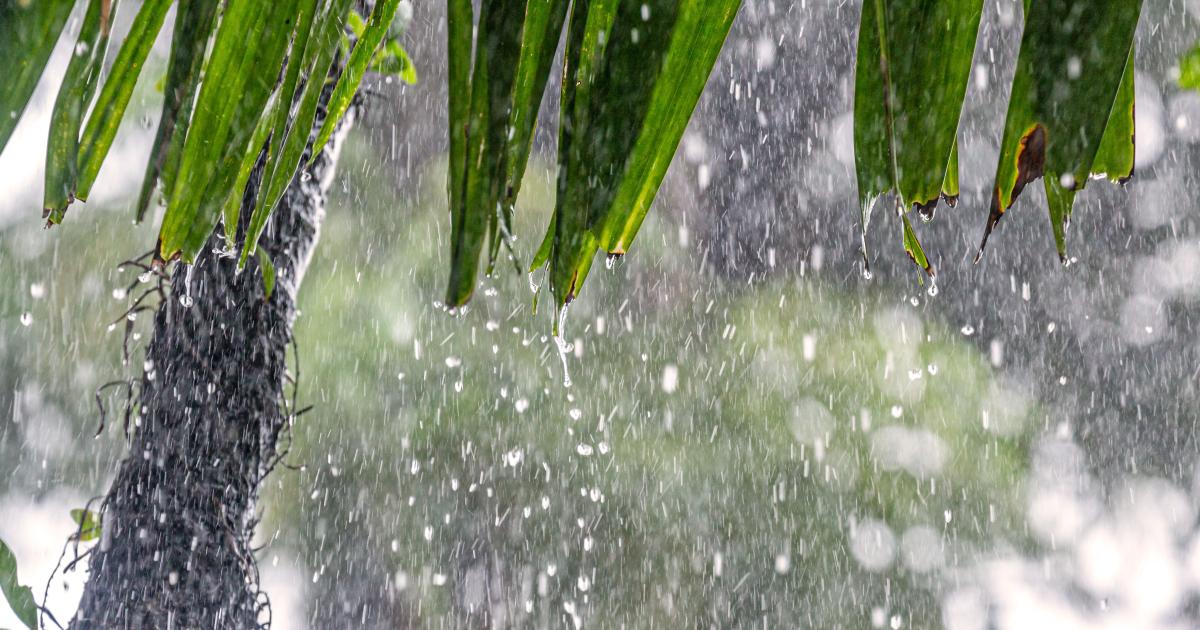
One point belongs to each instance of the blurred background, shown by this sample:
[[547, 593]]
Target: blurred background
[[754, 434]]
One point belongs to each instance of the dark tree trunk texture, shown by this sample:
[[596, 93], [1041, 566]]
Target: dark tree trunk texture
[[175, 549]]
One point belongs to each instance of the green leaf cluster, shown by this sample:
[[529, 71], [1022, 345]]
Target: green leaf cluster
[[1070, 116], [243, 83], [495, 95], [633, 72]]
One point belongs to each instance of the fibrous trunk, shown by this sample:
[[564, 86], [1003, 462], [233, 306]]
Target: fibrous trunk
[[175, 549]]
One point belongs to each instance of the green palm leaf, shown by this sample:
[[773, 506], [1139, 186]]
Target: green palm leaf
[[1074, 81], [494, 107], [914, 60], [284, 159], [356, 67], [634, 73], [252, 36], [114, 96], [74, 97], [193, 26], [28, 32]]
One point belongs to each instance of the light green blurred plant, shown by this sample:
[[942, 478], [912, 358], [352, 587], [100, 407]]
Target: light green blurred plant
[[707, 466]]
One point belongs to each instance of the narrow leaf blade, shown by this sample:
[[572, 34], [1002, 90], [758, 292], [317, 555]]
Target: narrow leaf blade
[[20, 598]]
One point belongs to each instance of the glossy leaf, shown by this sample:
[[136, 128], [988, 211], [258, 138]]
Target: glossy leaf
[[459, 24], [316, 61], [114, 96], [66, 120], [193, 26], [634, 73], [360, 58], [513, 56], [1073, 81], [20, 597], [235, 91], [272, 124], [914, 60], [28, 33]]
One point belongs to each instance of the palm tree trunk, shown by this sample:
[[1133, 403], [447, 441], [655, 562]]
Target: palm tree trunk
[[177, 522]]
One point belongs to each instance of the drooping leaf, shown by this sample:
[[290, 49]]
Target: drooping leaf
[[459, 24], [914, 60], [513, 56], [1074, 80], [193, 25], [20, 597], [28, 33], [66, 119], [912, 246], [251, 41], [278, 173], [88, 523], [360, 58], [114, 96], [633, 75], [272, 124]]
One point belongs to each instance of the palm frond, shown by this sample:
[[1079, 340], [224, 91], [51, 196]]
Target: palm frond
[[242, 76]]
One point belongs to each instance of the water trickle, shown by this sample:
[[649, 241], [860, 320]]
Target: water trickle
[[185, 300], [564, 347]]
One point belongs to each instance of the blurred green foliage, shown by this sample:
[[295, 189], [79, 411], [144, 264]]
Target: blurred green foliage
[[708, 465]]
